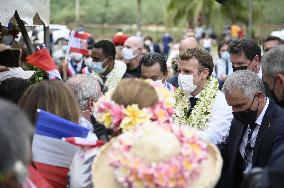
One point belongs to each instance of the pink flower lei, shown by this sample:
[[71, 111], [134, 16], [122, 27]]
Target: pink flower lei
[[118, 117], [176, 172]]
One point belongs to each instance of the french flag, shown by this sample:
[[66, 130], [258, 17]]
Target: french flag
[[78, 42], [48, 145], [42, 59]]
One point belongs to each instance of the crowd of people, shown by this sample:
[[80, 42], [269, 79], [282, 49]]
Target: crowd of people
[[129, 114]]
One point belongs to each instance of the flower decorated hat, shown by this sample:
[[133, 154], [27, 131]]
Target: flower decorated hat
[[157, 155], [118, 117]]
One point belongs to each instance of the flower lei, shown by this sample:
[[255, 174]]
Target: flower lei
[[201, 111], [114, 76], [118, 117], [178, 171]]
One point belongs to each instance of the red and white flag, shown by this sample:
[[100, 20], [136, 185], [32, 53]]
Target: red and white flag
[[43, 60], [78, 42]]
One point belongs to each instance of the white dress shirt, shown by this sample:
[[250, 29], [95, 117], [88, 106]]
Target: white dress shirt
[[220, 122], [253, 137], [221, 68]]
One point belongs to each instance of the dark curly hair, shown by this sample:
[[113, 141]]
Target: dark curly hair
[[247, 46], [151, 58], [108, 48]]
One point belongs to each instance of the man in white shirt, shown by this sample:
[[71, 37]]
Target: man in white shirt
[[199, 103], [256, 129]]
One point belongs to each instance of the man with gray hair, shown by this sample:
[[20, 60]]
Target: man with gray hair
[[256, 130], [87, 91], [273, 73], [15, 141]]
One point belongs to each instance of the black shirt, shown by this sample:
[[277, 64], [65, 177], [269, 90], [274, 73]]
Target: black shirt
[[134, 72]]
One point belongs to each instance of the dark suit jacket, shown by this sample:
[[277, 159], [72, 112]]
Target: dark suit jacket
[[134, 73], [157, 48], [174, 81], [273, 174], [270, 136]]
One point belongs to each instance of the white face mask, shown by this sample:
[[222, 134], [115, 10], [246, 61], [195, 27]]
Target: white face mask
[[185, 82], [158, 82], [128, 54], [148, 42], [225, 55]]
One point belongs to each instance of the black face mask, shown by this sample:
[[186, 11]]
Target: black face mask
[[273, 96], [248, 116], [239, 68]]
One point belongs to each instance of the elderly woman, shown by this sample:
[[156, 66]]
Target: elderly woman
[[87, 91], [55, 97]]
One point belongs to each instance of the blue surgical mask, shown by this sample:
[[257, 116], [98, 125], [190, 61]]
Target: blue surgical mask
[[225, 55], [97, 67]]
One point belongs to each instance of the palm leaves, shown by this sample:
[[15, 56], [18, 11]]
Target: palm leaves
[[209, 10]]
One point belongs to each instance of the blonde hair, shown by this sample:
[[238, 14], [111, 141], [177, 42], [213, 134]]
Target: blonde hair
[[52, 96], [135, 91]]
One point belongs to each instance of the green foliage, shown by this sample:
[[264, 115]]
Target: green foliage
[[39, 74], [273, 11], [209, 11], [108, 11]]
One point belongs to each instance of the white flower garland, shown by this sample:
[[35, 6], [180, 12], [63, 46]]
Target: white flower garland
[[201, 111], [114, 76]]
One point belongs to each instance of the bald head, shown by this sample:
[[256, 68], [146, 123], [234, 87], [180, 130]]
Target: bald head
[[134, 42], [187, 43]]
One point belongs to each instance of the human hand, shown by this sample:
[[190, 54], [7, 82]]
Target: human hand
[[3, 68], [4, 47]]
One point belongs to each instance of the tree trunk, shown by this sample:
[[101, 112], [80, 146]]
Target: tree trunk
[[77, 11], [138, 19]]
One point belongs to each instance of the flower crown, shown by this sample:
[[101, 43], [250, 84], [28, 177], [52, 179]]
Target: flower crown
[[117, 117], [178, 171]]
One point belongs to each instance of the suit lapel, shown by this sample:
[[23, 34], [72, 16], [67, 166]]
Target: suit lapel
[[266, 123], [237, 138]]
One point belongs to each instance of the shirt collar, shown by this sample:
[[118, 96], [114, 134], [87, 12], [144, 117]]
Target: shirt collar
[[259, 74], [261, 115]]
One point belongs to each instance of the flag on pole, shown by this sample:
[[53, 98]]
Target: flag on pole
[[78, 42], [42, 59]]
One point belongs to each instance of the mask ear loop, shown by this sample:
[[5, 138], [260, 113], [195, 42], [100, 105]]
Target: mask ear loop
[[105, 61], [251, 102]]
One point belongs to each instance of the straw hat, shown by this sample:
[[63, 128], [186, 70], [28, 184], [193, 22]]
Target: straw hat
[[155, 155]]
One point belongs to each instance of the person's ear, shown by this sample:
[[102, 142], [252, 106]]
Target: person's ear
[[259, 95], [111, 59], [91, 104], [256, 59], [205, 73], [280, 78], [165, 76], [139, 51]]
